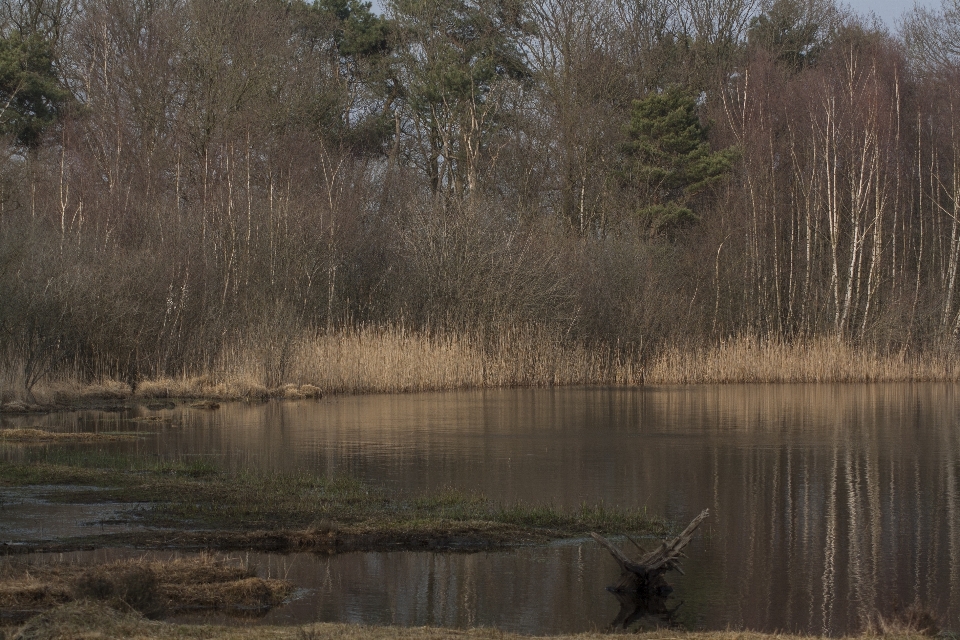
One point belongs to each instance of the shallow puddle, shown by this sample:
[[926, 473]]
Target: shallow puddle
[[27, 515]]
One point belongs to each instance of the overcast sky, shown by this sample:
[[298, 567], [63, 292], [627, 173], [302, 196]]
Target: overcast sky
[[887, 10]]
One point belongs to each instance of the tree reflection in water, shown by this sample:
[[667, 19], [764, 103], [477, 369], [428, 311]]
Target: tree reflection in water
[[644, 610]]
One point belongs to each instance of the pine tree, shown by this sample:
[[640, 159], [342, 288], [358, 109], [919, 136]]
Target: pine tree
[[30, 95], [796, 32], [669, 161]]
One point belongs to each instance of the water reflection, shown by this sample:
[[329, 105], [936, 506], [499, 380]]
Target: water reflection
[[829, 503], [644, 611]]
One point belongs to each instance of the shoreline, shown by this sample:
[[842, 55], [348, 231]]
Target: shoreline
[[86, 619], [388, 360]]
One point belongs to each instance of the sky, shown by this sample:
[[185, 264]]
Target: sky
[[887, 10]]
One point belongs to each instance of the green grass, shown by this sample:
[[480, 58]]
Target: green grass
[[193, 493]]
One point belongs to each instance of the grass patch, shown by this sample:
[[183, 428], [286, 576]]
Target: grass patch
[[262, 502], [98, 469], [89, 620], [150, 587], [215, 508], [41, 436]]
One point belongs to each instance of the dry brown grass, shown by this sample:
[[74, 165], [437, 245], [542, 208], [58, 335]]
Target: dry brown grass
[[149, 586], [752, 360], [40, 436], [897, 621], [96, 621], [219, 385]]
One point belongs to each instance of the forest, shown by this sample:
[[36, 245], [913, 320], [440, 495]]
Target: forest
[[243, 195]]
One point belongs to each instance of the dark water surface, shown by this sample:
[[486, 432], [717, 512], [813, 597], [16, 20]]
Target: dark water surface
[[829, 503]]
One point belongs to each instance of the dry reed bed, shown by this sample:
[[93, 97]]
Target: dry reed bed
[[390, 360], [393, 360], [376, 360], [751, 360]]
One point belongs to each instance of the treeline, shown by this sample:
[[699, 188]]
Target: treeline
[[186, 178]]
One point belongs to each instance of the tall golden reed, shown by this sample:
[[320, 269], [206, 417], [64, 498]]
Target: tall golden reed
[[390, 360], [393, 359], [387, 360], [748, 359]]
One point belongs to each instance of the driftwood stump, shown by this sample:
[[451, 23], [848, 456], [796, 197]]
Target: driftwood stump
[[645, 575]]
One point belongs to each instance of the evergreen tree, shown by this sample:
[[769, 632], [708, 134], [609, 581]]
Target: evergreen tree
[[795, 31], [30, 94], [454, 54], [669, 161], [355, 107], [359, 31]]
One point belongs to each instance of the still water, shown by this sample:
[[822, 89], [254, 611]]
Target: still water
[[829, 503]]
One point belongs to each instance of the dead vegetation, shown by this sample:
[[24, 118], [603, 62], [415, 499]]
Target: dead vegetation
[[95, 620], [151, 587], [381, 360], [915, 619], [389, 270], [22, 407]]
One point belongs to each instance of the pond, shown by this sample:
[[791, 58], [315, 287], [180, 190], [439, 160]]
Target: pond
[[829, 503]]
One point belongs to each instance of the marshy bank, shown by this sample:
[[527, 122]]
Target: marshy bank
[[816, 491], [154, 588], [91, 620], [42, 436], [193, 504]]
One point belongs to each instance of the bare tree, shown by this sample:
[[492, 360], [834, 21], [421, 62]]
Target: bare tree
[[932, 36]]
